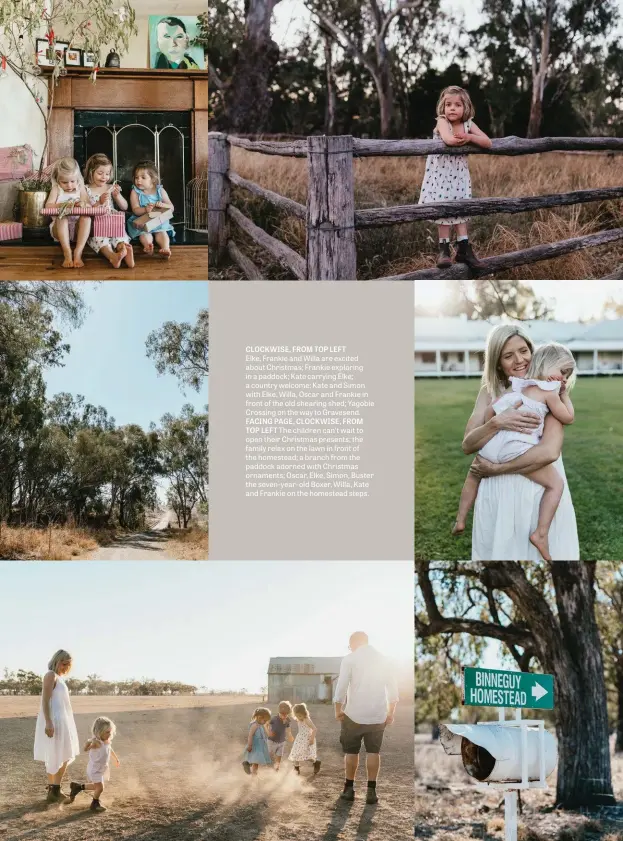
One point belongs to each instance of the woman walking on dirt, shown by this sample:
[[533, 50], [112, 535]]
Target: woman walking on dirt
[[56, 737]]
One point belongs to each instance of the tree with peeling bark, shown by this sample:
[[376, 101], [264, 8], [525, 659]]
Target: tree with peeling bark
[[543, 614], [363, 33]]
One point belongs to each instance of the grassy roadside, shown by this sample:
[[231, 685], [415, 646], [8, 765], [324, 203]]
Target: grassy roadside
[[60, 543], [188, 545]]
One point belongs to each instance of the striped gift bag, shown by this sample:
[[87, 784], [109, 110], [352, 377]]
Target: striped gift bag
[[10, 230], [96, 210], [111, 225]]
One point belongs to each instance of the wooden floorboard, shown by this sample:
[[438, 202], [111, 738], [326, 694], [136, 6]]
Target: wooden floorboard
[[22, 262]]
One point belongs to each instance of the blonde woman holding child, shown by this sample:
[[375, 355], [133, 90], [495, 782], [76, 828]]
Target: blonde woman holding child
[[100, 751], [545, 388], [304, 747], [97, 176], [67, 190], [508, 508], [56, 737], [447, 177]]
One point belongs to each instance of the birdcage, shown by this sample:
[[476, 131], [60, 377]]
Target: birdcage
[[197, 204]]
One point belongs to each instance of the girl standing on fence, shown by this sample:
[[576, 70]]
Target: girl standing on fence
[[447, 176]]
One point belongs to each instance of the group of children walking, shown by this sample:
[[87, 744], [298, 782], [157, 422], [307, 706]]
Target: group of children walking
[[268, 734], [148, 196]]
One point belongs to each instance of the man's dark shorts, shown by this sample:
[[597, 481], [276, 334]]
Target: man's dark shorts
[[352, 734]]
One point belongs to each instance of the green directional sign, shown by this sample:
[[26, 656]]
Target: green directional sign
[[492, 688]]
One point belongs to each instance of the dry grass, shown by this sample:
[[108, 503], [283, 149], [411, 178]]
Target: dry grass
[[56, 544], [189, 544], [386, 181]]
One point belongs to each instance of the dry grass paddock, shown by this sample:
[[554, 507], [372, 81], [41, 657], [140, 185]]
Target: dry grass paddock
[[60, 544], [385, 181], [189, 545], [449, 808], [181, 779]]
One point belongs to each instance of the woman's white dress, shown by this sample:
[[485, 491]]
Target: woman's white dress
[[64, 745], [506, 513], [301, 750]]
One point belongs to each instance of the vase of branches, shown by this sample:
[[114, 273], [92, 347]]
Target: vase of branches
[[87, 24]]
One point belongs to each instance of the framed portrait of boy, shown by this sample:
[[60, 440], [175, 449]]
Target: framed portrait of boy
[[73, 57], [170, 40]]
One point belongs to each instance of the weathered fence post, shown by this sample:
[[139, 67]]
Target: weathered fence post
[[331, 252], [218, 194]]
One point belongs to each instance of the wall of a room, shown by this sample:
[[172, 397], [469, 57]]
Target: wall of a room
[[21, 120]]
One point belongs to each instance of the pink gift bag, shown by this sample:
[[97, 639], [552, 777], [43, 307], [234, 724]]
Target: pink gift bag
[[111, 225], [15, 162], [10, 230]]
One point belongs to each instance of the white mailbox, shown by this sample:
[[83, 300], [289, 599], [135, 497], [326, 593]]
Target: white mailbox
[[502, 753]]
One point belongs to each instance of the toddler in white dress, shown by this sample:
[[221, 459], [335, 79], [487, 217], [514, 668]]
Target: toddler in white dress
[[545, 389], [100, 750], [68, 186], [97, 178], [304, 747]]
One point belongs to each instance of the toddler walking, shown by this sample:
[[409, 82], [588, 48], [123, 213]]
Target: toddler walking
[[447, 177], [68, 186], [278, 729], [257, 753], [549, 377], [304, 747], [97, 176], [98, 769]]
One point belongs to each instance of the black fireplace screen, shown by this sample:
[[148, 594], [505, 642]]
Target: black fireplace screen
[[128, 138]]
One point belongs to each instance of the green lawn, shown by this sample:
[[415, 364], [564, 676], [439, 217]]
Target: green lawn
[[592, 453]]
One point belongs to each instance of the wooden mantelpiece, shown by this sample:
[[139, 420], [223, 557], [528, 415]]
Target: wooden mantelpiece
[[121, 89]]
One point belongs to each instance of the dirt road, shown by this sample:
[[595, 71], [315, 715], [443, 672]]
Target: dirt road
[[149, 545], [181, 780]]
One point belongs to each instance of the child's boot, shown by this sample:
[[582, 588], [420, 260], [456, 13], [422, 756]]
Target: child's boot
[[444, 258], [465, 254], [316, 767], [96, 806], [74, 790], [297, 769], [247, 767]]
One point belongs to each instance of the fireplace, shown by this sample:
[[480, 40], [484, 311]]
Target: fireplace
[[161, 115], [128, 137]]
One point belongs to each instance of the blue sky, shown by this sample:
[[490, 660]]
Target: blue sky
[[107, 362], [212, 624]]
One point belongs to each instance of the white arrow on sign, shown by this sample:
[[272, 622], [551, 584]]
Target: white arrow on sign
[[538, 691]]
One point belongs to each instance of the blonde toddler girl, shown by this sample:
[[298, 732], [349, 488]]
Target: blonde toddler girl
[[100, 750], [304, 747], [68, 186]]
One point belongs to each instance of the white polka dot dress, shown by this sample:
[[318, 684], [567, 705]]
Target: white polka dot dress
[[301, 750], [447, 178]]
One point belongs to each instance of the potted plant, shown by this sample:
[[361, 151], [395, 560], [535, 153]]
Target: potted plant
[[87, 24]]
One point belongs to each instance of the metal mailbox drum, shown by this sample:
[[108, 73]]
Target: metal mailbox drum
[[492, 753]]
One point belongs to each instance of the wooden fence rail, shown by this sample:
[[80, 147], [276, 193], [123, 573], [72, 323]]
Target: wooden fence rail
[[331, 218]]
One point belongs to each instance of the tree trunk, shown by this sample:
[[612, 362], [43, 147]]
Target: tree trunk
[[385, 89], [584, 777], [329, 119], [619, 678], [540, 71], [248, 100]]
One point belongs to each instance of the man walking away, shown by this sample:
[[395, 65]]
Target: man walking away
[[366, 695]]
